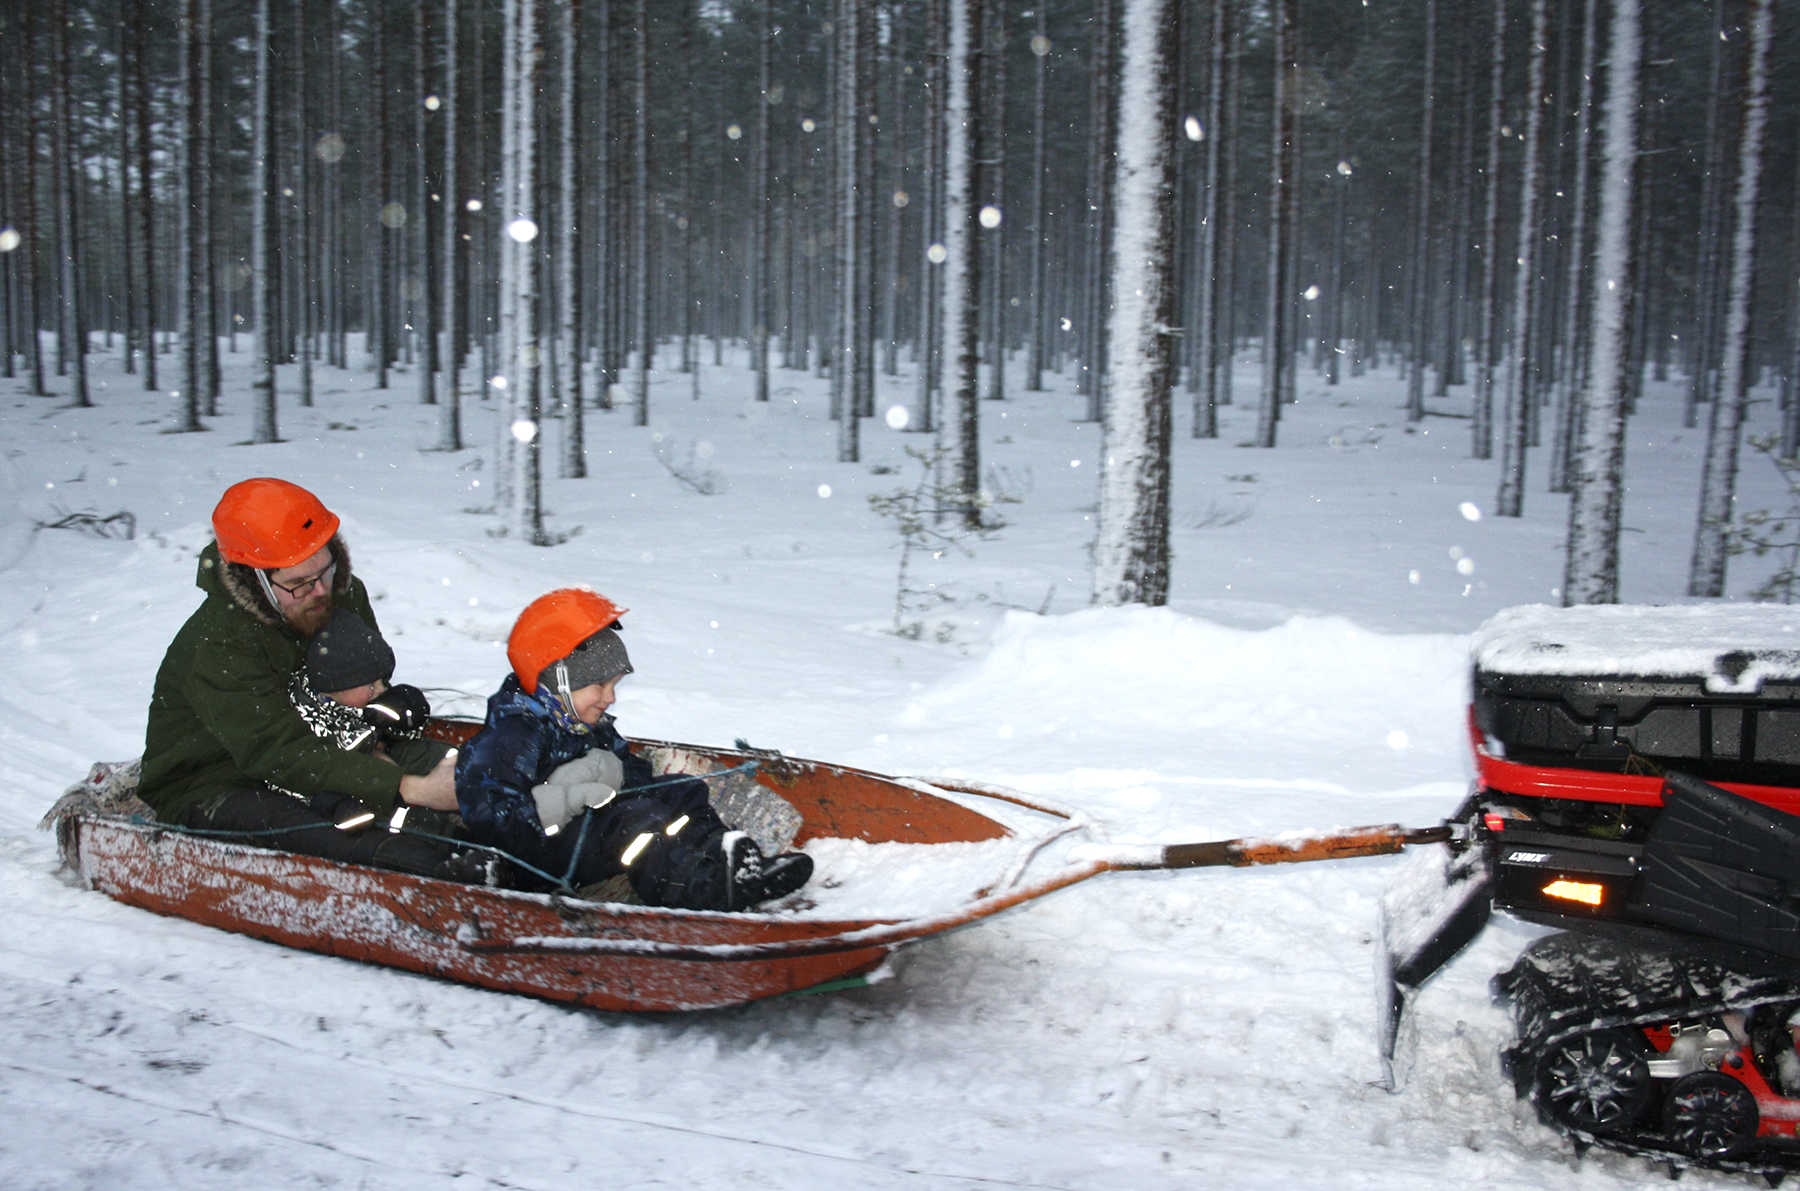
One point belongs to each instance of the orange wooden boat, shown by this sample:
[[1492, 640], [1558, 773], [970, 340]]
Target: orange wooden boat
[[625, 957]]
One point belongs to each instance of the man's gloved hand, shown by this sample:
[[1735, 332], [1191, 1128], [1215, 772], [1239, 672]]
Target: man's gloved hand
[[591, 780], [399, 711]]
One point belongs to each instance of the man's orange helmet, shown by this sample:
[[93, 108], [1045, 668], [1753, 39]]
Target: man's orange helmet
[[552, 626], [270, 524]]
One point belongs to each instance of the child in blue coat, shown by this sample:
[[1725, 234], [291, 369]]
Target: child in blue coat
[[549, 780]]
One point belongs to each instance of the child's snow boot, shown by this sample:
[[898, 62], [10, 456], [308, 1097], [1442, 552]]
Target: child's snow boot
[[755, 878]]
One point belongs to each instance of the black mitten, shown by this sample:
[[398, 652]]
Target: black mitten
[[398, 711]]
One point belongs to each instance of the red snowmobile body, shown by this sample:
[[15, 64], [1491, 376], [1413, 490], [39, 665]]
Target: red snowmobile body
[[1656, 817]]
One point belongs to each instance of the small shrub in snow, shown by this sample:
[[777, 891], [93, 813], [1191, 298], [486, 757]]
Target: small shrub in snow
[[928, 516]]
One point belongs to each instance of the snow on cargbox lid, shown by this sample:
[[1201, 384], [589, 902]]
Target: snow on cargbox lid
[[1734, 647]]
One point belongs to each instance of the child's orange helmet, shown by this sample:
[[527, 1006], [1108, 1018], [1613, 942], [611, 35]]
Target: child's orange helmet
[[552, 626], [270, 524]]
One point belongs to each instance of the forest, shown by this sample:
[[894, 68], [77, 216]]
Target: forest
[[1523, 208]]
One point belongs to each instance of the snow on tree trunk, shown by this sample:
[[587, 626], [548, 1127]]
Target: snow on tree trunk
[[640, 212], [146, 209], [450, 416], [71, 330], [759, 208], [1421, 306], [1517, 422], [1482, 422], [1204, 371], [931, 290], [192, 177], [1574, 243], [266, 294], [1718, 477], [1591, 575], [962, 264], [852, 312], [1281, 225], [1102, 86], [1040, 49], [568, 245], [424, 308], [1131, 549], [511, 208]]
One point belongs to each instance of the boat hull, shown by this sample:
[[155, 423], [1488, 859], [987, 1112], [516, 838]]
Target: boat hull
[[438, 927]]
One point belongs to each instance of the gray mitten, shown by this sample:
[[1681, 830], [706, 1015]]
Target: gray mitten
[[590, 780]]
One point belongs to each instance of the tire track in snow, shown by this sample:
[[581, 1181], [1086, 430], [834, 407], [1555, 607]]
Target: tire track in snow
[[413, 1077]]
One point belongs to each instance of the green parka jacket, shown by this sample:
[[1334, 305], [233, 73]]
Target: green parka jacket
[[220, 716]]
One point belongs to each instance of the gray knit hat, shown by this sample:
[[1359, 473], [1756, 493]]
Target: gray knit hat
[[597, 661], [346, 654]]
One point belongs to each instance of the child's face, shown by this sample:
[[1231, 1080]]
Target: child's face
[[357, 696], [592, 701]]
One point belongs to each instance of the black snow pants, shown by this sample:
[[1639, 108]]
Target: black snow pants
[[683, 869], [299, 827]]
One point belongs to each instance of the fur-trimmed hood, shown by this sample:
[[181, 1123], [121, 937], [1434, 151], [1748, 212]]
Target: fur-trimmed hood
[[237, 582]]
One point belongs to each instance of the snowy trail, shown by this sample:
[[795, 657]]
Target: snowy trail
[[1140, 1030]]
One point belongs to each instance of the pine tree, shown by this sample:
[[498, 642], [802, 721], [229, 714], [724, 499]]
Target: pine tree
[[1131, 548], [1591, 574], [962, 260], [263, 234], [1488, 326], [1520, 363], [450, 416], [1281, 220], [1718, 477], [568, 244], [1419, 281], [1203, 380], [1574, 245]]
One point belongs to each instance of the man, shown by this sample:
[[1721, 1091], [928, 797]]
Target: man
[[225, 749]]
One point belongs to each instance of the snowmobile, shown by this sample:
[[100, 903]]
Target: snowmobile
[[1637, 786]]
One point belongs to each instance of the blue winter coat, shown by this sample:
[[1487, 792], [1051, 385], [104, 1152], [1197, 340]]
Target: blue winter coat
[[522, 742]]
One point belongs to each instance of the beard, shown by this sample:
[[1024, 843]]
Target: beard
[[311, 616]]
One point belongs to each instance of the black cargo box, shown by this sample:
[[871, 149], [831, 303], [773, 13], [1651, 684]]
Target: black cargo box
[[1710, 690]]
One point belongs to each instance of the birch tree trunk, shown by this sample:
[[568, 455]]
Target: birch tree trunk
[[1131, 548], [1420, 267], [962, 262], [1591, 574], [265, 293], [1718, 476], [1511, 496], [1487, 330], [1281, 228]]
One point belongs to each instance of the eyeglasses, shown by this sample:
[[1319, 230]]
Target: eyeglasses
[[323, 578]]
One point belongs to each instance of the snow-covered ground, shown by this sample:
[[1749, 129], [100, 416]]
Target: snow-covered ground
[[1136, 1031]]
